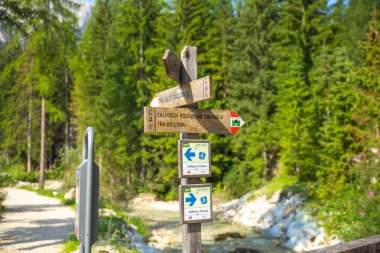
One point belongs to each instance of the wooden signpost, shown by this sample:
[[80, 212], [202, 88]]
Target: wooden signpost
[[185, 94], [194, 155], [188, 120]]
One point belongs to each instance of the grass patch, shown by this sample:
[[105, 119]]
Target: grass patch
[[52, 194], [2, 197], [285, 183], [120, 212], [71, 244]]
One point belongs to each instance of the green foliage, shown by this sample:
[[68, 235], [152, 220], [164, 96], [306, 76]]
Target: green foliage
[[2, 198], [304, 75], [353, 211]]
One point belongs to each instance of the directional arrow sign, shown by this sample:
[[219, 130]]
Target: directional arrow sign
[[195, 203], [194, 158], [185, 94], [173, 65], [189, 154], [191, 200], [188, 120]]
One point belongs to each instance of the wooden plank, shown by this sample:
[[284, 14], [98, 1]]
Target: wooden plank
[[191, 233], [365, 245], [185, 94], [172, 65], [188, 120]]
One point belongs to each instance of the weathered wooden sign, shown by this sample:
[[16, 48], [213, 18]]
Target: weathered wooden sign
[[173, 65], [185, 94], [195, 203], [194, 158], [187, 120]]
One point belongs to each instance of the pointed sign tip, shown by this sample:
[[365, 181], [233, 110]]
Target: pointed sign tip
[[155, 102]]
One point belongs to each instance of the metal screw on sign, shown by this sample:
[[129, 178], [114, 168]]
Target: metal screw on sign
[[87, 195]]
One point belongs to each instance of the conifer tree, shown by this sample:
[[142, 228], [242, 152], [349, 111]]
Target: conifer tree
[[252, 94], [300, 31]]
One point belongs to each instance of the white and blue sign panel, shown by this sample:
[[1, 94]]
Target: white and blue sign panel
[[194, 158], [196, 203]]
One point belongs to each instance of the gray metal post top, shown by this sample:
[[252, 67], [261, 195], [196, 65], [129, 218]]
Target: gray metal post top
[[88, 144]]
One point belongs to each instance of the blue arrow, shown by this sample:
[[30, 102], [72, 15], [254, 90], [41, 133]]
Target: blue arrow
[[191, 200], [189, 154]]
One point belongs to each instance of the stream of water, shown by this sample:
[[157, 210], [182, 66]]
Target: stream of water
[[166, 235]]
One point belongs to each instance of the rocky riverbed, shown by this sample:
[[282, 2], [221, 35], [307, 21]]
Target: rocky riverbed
[[278, 218], [220, 236]]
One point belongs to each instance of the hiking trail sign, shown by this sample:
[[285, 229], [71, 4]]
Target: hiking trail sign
[[194, 155], [196, 203], [194, 158], [187, 120], [184, 94]]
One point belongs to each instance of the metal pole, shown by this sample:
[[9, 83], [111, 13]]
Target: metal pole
[[88, 148]]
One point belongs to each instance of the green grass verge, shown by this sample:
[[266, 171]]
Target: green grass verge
[[111, 228], [120, 212], [71, 244], [52, 194], [2, 197]]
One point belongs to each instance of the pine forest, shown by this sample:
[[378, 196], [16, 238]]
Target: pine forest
[[303, 74]]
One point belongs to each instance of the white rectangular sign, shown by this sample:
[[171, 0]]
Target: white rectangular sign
[[196, 203], [194, 158]]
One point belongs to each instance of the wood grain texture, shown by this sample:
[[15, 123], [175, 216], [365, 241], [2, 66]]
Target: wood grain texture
[[173, 65], [365, 245], [191, 233], [186, 120], [185, 94]]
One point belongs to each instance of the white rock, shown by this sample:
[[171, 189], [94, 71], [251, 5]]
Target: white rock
[[294, 228], [53, 185], [279, 213], [311, 230], [319, 240], [297, 243], [107, 212], [276, 197], [289, 220], [70, 194], [274, 232]]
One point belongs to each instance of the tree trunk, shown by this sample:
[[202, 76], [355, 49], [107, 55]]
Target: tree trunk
[[67, 112], [42, 152], [29, 148], [141, 76]]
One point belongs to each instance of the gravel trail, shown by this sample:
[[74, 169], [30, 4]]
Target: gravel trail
[[33, 223]]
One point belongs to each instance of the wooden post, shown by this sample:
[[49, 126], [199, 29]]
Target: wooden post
[[191, 233]]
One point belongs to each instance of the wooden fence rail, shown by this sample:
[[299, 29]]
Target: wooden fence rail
[[365, 245]]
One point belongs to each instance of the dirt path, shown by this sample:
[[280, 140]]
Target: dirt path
[[33, 223]]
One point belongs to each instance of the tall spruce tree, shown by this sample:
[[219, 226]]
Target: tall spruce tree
[[300, 32], [251, 90]]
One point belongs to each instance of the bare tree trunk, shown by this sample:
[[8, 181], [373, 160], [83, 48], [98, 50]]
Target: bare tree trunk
[[265, 158], [29, 147], [67, 112], [141, 76], [42, 152]]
